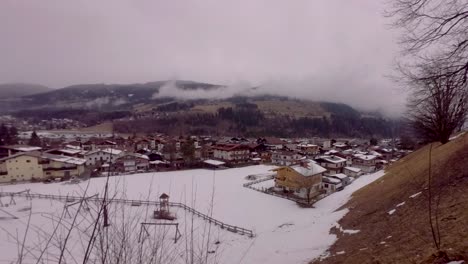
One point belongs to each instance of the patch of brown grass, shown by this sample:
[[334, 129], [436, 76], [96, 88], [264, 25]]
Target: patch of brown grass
[[405, 236]]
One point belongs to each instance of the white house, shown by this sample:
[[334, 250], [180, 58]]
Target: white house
[[285, 158], [101, 156], [352, 171]]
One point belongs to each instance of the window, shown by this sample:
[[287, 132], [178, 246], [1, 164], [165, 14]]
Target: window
[[28, 161]]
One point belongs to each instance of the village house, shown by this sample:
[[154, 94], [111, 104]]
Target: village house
[[22, 166], [231, 153], [27, 166], [131, 162], [143, 144], [331, 184], [98, 143], [271, 142], [352, 171], [303, 179], [333, 164], [340, 146], [365, 162], [285, 158], [64, 167], [308, 149], [101, 156], [345, 179]]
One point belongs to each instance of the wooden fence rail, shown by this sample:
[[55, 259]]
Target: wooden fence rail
[[68, 198]]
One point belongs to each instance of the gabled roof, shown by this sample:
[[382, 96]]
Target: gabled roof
[[340, 176], [365, 156], [331, 180], [35, 154], [230, 147], [64, 159], [135, 155], [353, 169], [331, 159], [308, 168]]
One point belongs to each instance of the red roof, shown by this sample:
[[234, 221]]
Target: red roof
[[230, 147]]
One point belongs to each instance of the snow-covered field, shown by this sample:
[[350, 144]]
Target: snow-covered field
[[285, 233]]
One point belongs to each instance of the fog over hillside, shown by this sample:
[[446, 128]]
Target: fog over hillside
[[320, 50]]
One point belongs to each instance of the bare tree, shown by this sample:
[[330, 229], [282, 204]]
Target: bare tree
[[438, 105], [434, 63]]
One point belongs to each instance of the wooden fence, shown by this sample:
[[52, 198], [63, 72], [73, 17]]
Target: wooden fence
[[228, 227], [299, 201]]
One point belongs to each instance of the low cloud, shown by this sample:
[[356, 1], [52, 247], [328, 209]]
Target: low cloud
[[170, 89], [360, 92]]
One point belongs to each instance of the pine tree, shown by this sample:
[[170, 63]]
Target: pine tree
[[35, 140], [4, 135]]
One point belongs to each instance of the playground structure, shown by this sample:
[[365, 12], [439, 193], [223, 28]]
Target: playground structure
[[163, 211], [95, 198], [144, 227], [12, 195], [83, 200]]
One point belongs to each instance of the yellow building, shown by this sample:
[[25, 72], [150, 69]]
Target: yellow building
[[56, 166], [304, 179], [39, 166], [21, 167]]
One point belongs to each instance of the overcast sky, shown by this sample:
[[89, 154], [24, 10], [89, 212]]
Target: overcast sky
[[337, 50]]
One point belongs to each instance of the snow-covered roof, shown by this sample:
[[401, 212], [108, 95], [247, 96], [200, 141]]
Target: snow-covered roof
[[70, 151], [365, 156], [331, 180], [64, 159], [158, 162], [112, 151], [353, 169], [332, 151], [136, 155], [72, 147], [214, 162], [375, 153], [310, 168], [340, 176], [23, 148], [332, 159], [306, 145], [256, 159], [339, 145]]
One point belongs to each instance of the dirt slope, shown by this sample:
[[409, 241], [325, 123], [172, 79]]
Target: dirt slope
[[404, 236]]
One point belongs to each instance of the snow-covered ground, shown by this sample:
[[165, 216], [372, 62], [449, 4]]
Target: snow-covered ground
[[285, 233]]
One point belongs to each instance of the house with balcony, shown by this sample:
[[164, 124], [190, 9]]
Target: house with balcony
[[308, 149], [352, 171], [303, 179], [29, 166], [331, 184], [365, 162], [100, 156], [333, 164], [22, 166], [285, 157], [231, 153], [63, 167], [131, 162]]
